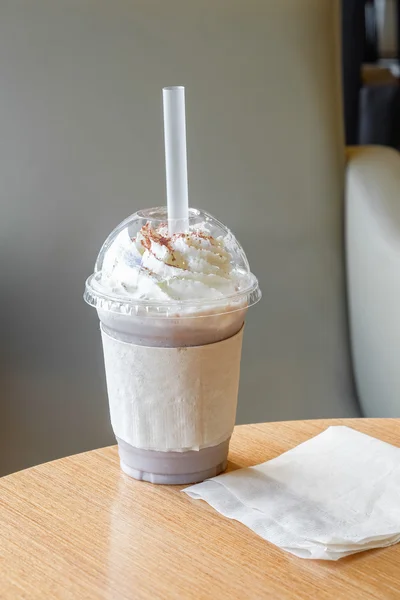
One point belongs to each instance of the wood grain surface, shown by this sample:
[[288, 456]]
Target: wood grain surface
[[79, 528]]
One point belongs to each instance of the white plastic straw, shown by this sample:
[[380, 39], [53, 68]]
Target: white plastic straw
[[175, 159]]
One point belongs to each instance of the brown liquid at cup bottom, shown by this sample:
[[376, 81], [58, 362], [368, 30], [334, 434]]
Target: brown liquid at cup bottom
[[173, 468]]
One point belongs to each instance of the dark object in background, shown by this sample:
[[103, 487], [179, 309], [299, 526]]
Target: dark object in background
[[372, 104], [371, 53], [398, 31], [353, 37], [379, 120], [380, 115]]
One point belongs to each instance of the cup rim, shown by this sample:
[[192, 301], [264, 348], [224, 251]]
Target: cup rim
[[125, 305]]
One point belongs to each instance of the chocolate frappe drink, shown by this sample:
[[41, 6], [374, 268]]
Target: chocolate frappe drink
[[172, 309]]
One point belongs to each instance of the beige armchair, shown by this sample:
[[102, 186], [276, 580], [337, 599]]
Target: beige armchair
[[81, 123], [373, 274]]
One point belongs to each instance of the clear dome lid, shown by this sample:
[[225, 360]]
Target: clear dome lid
[[142, 269]]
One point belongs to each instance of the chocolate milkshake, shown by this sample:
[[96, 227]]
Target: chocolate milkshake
[[172, 309]]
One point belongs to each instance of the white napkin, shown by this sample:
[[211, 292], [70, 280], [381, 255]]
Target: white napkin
[[334, 495]]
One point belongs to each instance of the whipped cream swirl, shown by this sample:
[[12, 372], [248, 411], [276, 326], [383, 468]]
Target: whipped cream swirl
[[157, 266]]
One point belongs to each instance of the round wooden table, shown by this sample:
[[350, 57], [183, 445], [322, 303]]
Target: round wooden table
[[79, 528]]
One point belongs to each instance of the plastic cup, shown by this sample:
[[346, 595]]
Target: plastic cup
[[133, 321]]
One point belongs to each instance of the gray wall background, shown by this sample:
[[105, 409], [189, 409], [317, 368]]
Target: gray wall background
[[81, 147]]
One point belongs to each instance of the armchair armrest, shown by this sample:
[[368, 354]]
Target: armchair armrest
[[373, 276]]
